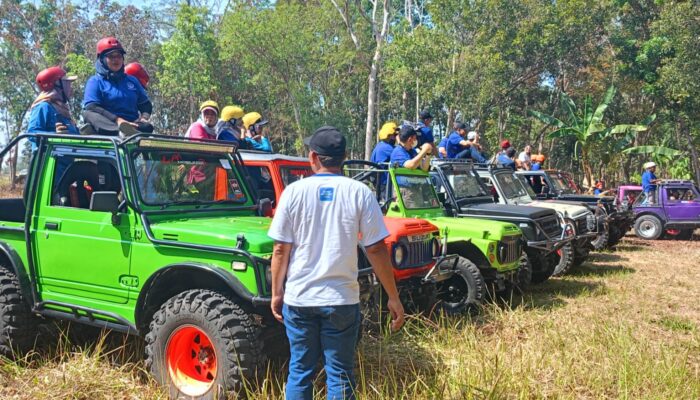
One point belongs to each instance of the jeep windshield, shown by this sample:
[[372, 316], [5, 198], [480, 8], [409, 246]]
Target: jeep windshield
[[292, 174], [417, 192], [515, 188], [464, 183], [177, 176], [560, 185]]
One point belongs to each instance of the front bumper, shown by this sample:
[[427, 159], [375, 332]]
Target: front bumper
[[445, 266]]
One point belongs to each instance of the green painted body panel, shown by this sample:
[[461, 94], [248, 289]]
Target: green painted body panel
[[83, 259], [480, 232]]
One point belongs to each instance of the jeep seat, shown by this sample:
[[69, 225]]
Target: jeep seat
[[76, 185]]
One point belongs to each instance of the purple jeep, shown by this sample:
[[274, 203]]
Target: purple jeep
[[674, 211]]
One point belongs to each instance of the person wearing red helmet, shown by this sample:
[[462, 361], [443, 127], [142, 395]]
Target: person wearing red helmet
[[139, 72], [49, 112], [115, 102]]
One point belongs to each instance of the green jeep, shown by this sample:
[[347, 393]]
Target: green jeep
[[495, 247], [154, 236]]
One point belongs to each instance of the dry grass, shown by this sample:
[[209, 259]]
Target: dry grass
[[624, 325]]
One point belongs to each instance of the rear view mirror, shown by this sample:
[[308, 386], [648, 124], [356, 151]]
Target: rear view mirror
[[265, 207], [105, 202]]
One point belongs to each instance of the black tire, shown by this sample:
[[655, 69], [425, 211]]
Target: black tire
[[545, 269], [566, 260], [462, 293], [233, 336], [648, 227], [601, 241], [617, 232], [523, 277], [18, 326], [683, 234], [580, 255]]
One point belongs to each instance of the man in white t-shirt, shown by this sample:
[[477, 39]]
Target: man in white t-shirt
[[525, 159], [317, 227]]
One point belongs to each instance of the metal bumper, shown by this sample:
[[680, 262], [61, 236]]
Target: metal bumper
[[550, 245]]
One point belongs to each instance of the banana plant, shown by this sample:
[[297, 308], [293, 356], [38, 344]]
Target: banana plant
[[586, 125]]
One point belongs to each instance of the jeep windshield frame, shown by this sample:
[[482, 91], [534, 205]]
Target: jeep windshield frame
[[461, 183], [190, 168], [513, 187], [559, 184], [417, 192]]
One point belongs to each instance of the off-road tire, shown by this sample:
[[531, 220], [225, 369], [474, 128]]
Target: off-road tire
[[523, 277], [683, 234], [234, 336], [537, 277], [601, 241], [580, 255], [566, 260], [616, 235], [18, 326], [648, 227], [464, 292]]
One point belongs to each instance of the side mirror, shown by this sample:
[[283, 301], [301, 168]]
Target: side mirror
[[105, 202], [265, 207]]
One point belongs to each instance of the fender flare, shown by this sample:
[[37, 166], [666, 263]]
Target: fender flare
[[17, 267], [213, 272]]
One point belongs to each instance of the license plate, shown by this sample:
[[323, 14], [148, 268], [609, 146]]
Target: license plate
[[418, 238]]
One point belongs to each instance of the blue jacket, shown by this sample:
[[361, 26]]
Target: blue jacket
[[453, 144], [262, 145], [425, 134], [507, 161], [382, 152], [647, 186], [400, 155], [116, 92], [443, 143], [43, 118]]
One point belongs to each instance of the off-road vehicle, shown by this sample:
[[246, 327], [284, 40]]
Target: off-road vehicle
[[426, 278], [462, 193], [509, 188], [673, 211], [553, 184], [154, 236], [494, 247]]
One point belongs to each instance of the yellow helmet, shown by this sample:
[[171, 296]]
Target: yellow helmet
[[389, 128], [231, 112], [209, 104], [251, 118]]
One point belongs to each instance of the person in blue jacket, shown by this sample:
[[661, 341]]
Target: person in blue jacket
[[424, 130], [387, 141], [457, 145], [49, 112], [405, 155], [114, 102], [649, 182], [507, 158]]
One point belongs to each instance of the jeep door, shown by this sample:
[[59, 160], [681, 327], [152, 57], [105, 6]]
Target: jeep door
[[81, 255], [681, 203]]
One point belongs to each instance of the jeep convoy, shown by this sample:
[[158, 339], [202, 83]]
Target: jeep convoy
[[166, 238]]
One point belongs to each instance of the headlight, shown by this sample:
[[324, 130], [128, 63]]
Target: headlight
[[435, 247], [569, 229], [399, 255]]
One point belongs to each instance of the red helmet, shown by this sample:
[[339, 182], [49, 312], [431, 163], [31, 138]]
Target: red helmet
[[108, 44], [137, 71], [47, 78]]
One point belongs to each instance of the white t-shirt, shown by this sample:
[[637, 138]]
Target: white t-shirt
[[323, 217], [525, 158]]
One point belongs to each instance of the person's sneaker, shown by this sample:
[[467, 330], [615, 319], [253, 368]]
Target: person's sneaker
[[87, 129], [127, 129], [145, 127]]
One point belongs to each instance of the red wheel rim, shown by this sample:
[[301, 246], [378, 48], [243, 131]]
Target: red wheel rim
[[673, 232], [191, 359]]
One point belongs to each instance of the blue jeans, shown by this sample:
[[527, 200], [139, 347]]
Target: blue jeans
[[314, 332]]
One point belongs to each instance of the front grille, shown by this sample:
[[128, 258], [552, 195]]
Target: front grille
[[418, 254], [550, 225], [582, 226], [509, 249]]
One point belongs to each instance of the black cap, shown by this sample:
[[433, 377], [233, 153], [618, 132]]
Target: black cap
[[406, 132], [327, 141], [461, 125], [425, 114]]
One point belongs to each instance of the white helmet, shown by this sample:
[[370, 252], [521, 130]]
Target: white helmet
[[649, 165]]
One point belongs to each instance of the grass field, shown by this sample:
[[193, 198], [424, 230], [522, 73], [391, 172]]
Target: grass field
[[624, 325]]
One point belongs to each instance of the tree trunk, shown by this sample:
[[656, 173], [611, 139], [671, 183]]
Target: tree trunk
[[373, 73], [694, 160]]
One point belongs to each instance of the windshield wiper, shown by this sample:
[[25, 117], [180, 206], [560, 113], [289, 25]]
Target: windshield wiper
[[180, 202]]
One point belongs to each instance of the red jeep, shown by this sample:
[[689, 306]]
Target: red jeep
[[425, 277]]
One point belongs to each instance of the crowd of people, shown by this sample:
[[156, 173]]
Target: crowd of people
[[412, 146], [116, 103]]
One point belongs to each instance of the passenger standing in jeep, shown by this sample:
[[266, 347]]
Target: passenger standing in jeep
[[317, 227]]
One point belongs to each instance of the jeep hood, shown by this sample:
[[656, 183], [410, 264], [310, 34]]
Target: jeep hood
[[217, 231], [473, 228], [568, 209], [505, 211], [587, 198]]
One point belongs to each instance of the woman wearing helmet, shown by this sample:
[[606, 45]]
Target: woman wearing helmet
[[205, 126], [229, 126], [114, 101], [139, 72], [49, 111], [255, 136], [387, 141]]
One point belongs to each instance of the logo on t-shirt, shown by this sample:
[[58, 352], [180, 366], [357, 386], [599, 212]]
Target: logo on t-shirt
[[131, 86], [326, 194]]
